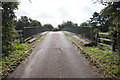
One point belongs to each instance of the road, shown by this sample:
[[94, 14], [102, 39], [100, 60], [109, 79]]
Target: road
[[55, 57]]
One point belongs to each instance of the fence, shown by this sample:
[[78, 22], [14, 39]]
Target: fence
[[100, 40], [70, 28], [31, 31], [103, 40], [86, 32], [106, 42]]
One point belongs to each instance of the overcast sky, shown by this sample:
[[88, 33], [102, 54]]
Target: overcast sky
[[57, 11]]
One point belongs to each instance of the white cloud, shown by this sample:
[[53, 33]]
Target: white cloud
[[55, 11]]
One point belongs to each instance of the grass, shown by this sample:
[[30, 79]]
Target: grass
[[77, 39], [108, 48], [37, 37], [11, 61], [108, 59], [66, 33], [17, 55]]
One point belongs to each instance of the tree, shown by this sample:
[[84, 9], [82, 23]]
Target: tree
[[110, 18], [35, 23], [23, 22], [84, 24], [55, 29], [8, 20], [113, 10], [94, 20], [49, 26], [67, 24], [60, 27]]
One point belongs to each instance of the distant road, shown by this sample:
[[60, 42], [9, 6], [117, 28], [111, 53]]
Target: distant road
[[55, 57]]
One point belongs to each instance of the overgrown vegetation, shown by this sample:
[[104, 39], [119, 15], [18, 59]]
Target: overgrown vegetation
[[10, 24], [109, 59], [108, 20], [105, 21], [13, 50], [19, 53], [96, 56], [8, 21], [24, 21], [15, 58]]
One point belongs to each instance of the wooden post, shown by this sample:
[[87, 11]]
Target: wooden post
[[92, 34], [96, 38], [24, 33], [113, 45], [114, 41]]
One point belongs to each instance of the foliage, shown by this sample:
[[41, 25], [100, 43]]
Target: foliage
[[68, 23], [109, 59], [8, 21], [55, 29], [111, 16], [19, 54], [24, 21], [14, 58], [94, 19], [35, 23], [68, 26], [49, 26], [108, 20], [84, 24], [19, 48]]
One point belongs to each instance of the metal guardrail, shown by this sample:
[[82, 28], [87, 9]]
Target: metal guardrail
[[32, 31], [29, 32]]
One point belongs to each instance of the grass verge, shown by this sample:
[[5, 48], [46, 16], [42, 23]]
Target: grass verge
[[107, 62], [22, 50]]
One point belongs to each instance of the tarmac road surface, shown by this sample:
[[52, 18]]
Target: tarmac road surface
[[55, 57]]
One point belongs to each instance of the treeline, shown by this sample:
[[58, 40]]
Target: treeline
[[108, 20], [10, 24], [70, 26], [24, 21]]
